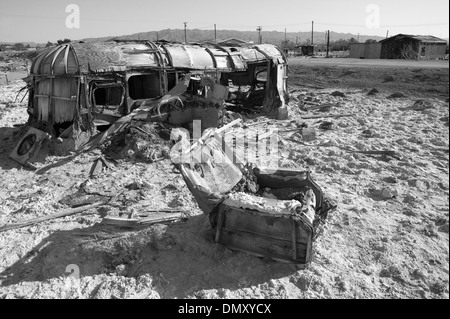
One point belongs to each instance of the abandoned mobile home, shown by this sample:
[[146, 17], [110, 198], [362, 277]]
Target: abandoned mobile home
[[77, 88]]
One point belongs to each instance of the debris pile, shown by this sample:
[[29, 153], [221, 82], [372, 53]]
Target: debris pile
[[145, 141]]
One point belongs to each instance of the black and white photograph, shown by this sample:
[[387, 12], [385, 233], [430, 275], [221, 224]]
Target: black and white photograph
[[224, 155]]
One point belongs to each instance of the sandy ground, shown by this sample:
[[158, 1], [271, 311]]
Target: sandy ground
[[388, 238], [348, 62]]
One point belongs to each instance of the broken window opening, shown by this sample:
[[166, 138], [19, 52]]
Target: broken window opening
[[248, 88], [260, 77], [195, 87], [171, 80], [60, 128], [107, 95], [144, 86]]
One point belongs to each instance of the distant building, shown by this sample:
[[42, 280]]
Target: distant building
[[405, 46], [232, 41], [365, 50], [401, 46], [305, 50]]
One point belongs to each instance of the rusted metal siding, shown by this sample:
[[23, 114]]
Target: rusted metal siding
[[415, 47], [432, 50], [365, 50]]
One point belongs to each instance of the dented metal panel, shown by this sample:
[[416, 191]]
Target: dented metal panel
[[238, 61], [252, 55], [189, 56], [221, 57], [135, 55], [200, 58], [180, 57]]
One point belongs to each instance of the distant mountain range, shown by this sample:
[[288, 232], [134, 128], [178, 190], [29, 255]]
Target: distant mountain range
[[274, 37]]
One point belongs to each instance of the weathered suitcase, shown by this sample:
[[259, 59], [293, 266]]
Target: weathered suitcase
[[282, 230], [265, 230]]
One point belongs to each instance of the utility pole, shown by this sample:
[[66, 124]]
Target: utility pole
[[387, 34], [285, 38], [215, 32], [259, 28], [185, 33], [328, 44], [312, 37]]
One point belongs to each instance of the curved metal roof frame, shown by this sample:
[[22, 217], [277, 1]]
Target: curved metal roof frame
[[85, 58]]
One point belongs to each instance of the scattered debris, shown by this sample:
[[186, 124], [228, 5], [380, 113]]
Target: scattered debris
[[338, 94], [383, 153], [83, 197], [308, 117], [373, 91], [419, 105], [325, 108], [308, 134], [30, 148], [326, 125], [97, 167], [368, 133], [396, 95]]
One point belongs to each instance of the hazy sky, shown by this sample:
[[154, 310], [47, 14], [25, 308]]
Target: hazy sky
[[45, 20]]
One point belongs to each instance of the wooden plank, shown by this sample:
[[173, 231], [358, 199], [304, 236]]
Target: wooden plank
[[294, 239], [318, 116], [219, 226], [276, 227], [149, 219], [64, 213], [268, 237], [262, 246]]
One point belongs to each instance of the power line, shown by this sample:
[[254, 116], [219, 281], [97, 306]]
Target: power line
[[386, 25]]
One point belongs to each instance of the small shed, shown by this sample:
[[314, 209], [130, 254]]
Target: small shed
[[305, 50], [413, 47], [365, 50]]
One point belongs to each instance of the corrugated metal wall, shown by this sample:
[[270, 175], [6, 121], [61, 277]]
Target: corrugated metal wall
[[365, 50]]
